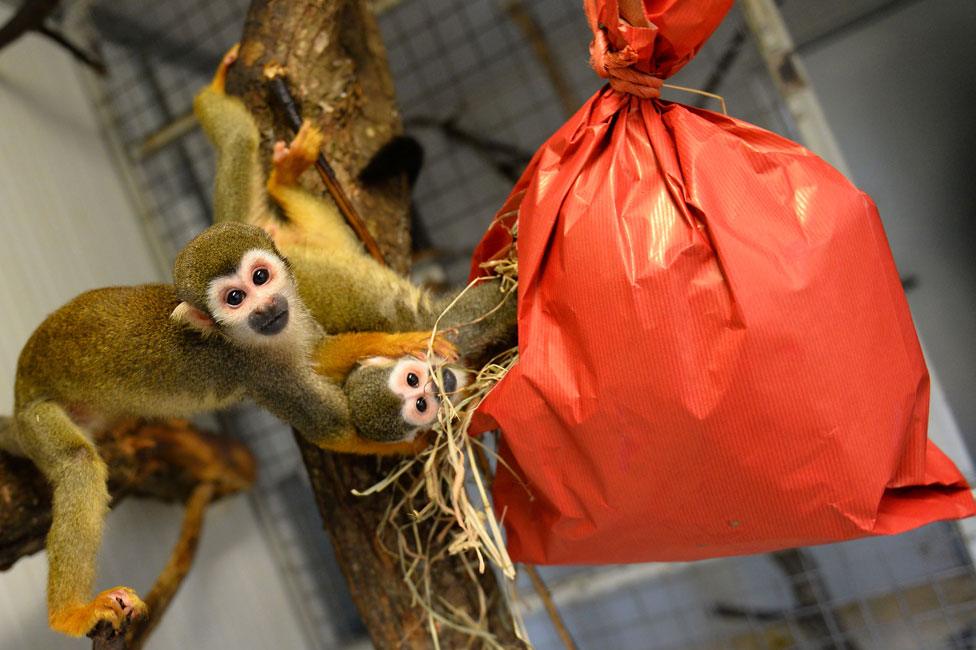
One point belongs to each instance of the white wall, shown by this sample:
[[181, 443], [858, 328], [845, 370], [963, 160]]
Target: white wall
[[900, 95], [66, 226]]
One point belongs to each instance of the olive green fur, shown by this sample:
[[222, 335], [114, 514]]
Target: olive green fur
[[482, 323], [79, 500], [8, 442], [118, 352], [375, 410], [347, 291], [215, 252], [344, 288], [239, 192]]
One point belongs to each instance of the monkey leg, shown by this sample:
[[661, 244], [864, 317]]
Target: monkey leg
[[312, 220], [79, 505], [337, 355]]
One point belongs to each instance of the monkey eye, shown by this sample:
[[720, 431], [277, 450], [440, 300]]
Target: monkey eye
[[421, 404], [413, 380], [235, 297], [260, 276]]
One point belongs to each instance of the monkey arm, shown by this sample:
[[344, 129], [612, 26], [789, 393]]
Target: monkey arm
[[482, 322], [311, 220], [238, 190], [337, 355], [319, 411], [350, 292], [355, 444], [312, 404]]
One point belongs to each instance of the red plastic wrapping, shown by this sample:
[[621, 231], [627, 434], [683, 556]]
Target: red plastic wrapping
[[716, 354]]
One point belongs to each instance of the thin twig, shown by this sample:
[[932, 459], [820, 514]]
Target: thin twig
[[90, 59], [28, 17], [176, 569], [535, 35], [289, 107], [554, 615]]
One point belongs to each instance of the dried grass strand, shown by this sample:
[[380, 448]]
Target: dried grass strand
[[428, 493]]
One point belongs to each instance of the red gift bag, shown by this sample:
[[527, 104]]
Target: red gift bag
[[716, 354]]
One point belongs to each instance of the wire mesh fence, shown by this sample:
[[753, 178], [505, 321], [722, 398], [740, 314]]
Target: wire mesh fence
[[481, 85]]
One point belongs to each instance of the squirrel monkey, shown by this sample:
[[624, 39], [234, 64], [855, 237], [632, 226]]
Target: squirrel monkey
[[345, 289], [231, 326], [397, 398]]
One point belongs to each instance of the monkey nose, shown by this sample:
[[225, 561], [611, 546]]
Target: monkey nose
[[272, 318], [448, 381]]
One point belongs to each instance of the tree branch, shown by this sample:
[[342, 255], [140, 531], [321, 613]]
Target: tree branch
[[170, 461], [160, 460], [336, 67]]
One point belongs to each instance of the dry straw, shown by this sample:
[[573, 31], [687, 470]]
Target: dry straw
[[431, 511]]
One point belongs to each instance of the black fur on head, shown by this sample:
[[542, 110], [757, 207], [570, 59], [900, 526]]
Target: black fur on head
[[215, 252], [376, 410]]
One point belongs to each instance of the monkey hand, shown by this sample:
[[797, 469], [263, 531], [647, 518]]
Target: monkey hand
[[220, 77], [116, 606], [290, 160], [416, 344]]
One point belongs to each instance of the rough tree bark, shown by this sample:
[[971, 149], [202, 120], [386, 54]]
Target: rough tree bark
[[168, 460], [336, 67], [164, 460]]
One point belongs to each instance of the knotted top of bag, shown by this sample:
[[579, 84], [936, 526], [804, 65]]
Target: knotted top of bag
[[637, 44]]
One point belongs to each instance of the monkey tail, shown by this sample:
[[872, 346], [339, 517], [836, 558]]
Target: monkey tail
[[8, 436]]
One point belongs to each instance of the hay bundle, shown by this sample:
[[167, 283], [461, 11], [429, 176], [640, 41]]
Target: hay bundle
[[444, 509]]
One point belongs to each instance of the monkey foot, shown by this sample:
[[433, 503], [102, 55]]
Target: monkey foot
[[115, 606], [292, 159], [220, 77]]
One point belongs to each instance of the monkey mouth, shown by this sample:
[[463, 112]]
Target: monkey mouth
[[453, 381], [449, 381], [275, 323], [271, 320]]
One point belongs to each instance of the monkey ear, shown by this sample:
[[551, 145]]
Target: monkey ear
[[187, 314], [271, 229], [376, 361]]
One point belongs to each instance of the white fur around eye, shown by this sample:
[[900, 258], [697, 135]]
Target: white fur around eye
[[398, 377], [217, 300], [398, 383], [414, 417], [258, 258], [242, 279]]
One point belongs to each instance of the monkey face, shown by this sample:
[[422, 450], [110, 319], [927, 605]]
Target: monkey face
[[251, 304], [409, 381], [394, 399]]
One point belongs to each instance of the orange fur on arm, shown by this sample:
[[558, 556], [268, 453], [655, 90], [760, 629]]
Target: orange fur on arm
[[354, 444], [337, 355]]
